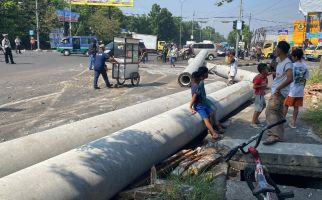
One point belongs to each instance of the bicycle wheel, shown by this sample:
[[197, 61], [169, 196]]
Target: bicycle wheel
[[249, 174]]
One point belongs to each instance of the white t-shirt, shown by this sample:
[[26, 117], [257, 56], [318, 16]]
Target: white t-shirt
[[233, 68], [300, 75], [281, 69]]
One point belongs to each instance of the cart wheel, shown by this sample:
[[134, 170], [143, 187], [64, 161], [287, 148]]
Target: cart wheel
[[120, 81], [135, 78]]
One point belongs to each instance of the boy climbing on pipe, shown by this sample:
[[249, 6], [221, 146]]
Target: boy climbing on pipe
[[196, 105]]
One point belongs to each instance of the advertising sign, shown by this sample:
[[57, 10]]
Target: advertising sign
[[67, 16], [55, 36], [282, 35], [121, 3]]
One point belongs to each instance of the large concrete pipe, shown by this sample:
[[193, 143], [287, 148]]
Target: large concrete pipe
[[102, 168], [26, 151], [242, 75], [184, 78]]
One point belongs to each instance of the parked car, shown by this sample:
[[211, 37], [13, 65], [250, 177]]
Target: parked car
[[313, 53], [221, 52], [212, 50], [75, 45]]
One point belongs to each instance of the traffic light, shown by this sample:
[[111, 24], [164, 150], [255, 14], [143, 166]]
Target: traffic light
[[243, 24], [235, 24]]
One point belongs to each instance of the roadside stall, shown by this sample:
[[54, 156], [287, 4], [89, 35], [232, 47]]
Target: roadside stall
[[126, 52]]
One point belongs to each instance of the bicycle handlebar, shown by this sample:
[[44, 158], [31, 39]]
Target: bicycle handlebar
[[257, 137]]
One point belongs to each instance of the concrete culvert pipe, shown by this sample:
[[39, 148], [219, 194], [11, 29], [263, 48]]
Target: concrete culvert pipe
[[29, 150], [102, 168], [184, 78], [242, 75]]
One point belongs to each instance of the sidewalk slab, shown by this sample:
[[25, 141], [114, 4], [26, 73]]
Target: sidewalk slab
[[284, 158], [238, 190]]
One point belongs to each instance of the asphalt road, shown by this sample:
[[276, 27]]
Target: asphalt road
[[44, 90]]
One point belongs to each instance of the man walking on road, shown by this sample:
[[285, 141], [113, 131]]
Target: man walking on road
[[280, 90], [18, 45], [7, 49], [100, 67]]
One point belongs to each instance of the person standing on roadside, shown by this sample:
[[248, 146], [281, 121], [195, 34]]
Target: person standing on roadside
[[165, 53], [295, 97], [280, 90], [100, 66], [7, 49], [32, 43], [233, 68], [92, 50], [18, 45]]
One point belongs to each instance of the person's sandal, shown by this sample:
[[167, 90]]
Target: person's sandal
[[272, 139]]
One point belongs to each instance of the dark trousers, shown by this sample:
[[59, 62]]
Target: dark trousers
[[8, 54], [18, 48], [97, 74]]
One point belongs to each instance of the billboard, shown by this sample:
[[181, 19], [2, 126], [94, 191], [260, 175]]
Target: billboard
[[123, 3], [282, 35], [67, 16]]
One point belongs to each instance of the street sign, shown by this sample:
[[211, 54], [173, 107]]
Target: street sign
[[239, 25], [191, 37], [31, 32]]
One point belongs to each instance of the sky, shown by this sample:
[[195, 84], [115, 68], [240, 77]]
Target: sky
[[280, 12]]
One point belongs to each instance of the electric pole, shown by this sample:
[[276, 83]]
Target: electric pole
[[250, 38], [193, 20], [239, 26], [37, 24]]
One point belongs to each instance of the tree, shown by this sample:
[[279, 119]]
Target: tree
[[154, 18], [246, 36], [106, 29]]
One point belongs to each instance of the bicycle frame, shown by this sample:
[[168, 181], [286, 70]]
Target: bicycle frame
[[263, 186], [264, 189]]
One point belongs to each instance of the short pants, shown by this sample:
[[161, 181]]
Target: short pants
[[260, 103], [293, 101], [203, 110]]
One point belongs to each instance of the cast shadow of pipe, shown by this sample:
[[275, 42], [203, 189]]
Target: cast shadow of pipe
[[107, 155], [11, 110]]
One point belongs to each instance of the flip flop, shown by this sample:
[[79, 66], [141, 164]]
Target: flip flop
[[272, 139], [219, 137]]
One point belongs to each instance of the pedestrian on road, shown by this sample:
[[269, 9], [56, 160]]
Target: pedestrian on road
[[92, 50], [295, 97], [233, 68], [32, 43], [100, 66], [18, 45], [259, 84], [197, 105], [280, 90], [165, 53], [172, 55], [6, 46]]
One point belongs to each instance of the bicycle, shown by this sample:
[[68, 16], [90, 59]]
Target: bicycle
[[265, 187]]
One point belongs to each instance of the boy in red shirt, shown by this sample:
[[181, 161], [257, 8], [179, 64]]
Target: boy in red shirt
[[259, 84]]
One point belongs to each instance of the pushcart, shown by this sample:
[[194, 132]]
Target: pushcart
[[126, 52]]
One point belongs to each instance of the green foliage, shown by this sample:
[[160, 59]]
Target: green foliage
[[313, 116], [246, 36], [202, 188], [315, 76], [104, 22]]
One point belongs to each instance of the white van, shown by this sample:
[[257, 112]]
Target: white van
[[212, 50]]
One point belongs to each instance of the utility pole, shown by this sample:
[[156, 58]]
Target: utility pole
[[70, 18], [239, 21], [37, 24], [193, 20], [250, 38], [181, 1]]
